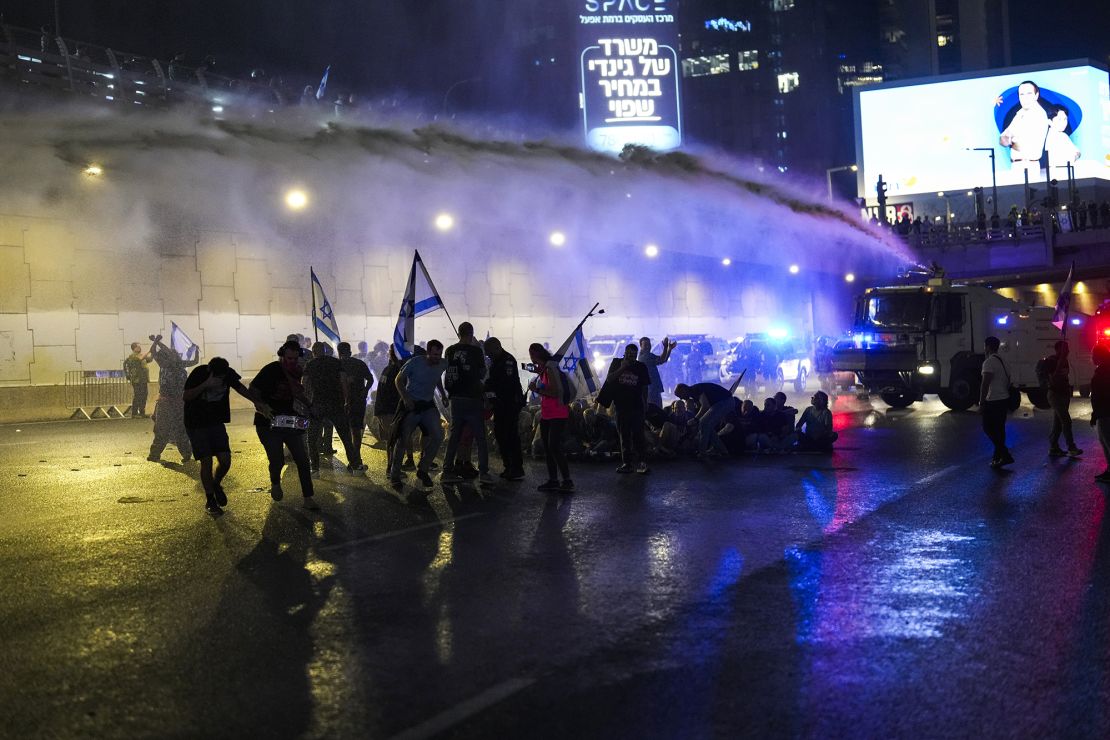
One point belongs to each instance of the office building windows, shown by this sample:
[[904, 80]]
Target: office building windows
[[714, 64], [747, 60]]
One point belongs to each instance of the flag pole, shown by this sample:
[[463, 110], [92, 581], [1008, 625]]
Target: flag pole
[[312, 288], [585, 319], [432, 285]]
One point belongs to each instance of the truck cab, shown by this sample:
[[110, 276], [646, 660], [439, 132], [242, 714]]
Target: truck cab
[[911, 340]]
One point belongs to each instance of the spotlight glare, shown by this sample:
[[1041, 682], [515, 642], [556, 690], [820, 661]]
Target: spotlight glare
[[558, 238], [445, 222], [850, 278], [651, 250], [296, 199], [94, 170], [726, 261], [794, 269]]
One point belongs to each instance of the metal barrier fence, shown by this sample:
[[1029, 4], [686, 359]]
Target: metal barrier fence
[[94, 394]]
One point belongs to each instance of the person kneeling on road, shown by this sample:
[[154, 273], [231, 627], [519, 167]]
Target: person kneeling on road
[[207, 410], [714, 403]]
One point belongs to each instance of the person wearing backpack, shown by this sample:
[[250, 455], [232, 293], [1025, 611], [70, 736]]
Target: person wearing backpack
[[551, 386], [466, 371], [1057, 368]]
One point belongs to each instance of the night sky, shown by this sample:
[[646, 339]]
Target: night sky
[[420, 46]]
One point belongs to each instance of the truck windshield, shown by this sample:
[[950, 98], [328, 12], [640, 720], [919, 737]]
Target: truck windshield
[[897, 311]]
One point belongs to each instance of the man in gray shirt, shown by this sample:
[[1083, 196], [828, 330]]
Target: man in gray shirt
[[417, 383]]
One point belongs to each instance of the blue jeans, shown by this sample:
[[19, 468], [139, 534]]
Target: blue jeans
[[709, 425], [428, 420]]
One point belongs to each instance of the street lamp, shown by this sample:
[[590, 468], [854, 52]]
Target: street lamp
[[829, 173], [994, 177], [296, 199]]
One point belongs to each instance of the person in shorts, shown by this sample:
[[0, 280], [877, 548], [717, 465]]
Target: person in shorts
[[207, 409]]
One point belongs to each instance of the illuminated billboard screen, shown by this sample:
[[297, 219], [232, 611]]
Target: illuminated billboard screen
[[922, 137], [629, 74]]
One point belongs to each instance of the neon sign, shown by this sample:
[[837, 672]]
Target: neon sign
[[724, 24], [629, 75]]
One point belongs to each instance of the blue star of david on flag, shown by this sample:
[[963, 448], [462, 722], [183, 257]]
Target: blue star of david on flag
[[322, 315]]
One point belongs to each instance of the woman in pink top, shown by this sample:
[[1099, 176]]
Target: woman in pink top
[[548, 383]]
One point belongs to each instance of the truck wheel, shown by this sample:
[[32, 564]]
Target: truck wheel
[[800, 381], [1084, 391], [1038, 397], [897, 400], [960, 395], [779, 380]]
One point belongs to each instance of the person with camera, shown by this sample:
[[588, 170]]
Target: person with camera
[[507, 398], [138, 375], [282, 419], [554, 415], [417, 382], [207, 409]]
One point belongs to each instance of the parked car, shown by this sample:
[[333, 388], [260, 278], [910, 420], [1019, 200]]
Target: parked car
[[604, 348], [770, 362]]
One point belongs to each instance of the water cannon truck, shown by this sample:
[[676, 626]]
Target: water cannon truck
[[909, 340]]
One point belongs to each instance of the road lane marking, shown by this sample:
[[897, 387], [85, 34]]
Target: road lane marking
[[939, 474], [461, 711], [398, 532]]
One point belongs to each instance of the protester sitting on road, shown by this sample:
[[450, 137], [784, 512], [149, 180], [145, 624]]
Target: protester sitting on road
[[815, 428], [774, 429], [714, 401], [1100, 404]]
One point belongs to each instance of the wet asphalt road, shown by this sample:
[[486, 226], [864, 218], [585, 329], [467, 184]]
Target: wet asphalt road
[[899, 588]]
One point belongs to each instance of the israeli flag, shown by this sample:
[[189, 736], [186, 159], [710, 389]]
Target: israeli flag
[[186, 349], [575, 362], [421, 298], [323, 87], [322, 315], [1063, 303]]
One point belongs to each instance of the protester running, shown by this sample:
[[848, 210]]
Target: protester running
[[207, 409]]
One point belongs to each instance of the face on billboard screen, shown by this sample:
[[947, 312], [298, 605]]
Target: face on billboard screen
[[918, 137], [629, 74]]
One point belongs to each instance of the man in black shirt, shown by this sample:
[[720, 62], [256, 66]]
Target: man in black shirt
[[326, 385], [207, 409], [466, 369], [627, 386], [714, 403], [359, 379], [507, 397]]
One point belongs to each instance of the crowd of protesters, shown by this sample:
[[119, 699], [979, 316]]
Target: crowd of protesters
[[470, 394]]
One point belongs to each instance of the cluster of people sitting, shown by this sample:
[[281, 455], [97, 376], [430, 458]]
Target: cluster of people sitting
[[676, 430]]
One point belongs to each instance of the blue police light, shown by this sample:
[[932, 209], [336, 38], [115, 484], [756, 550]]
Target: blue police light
[[1076, 322], [778, 332], [1003, 320]]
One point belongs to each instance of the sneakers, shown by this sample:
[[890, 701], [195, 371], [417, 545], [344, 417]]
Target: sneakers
[[549, 485], [643, 469], [424, 478], [212, 507], [356, 468], [154, 458], [1074, 452], [309, 503], [448, 477], [485, 479], [395, 480], [1006, 459], [567, 486], [624, 468], [1056, 452], [466, 470], [276, 493], [408, 465], [315, 473], [221, 497]]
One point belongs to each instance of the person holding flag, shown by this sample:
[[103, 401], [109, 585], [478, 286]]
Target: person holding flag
[[169, 409]]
